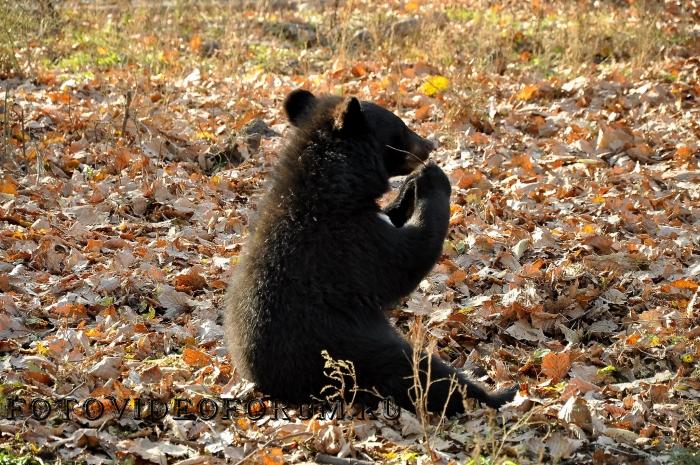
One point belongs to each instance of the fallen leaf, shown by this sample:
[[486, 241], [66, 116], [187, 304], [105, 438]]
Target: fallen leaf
[[556, 366], [434, 85]]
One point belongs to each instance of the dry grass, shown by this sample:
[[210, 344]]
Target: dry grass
[[463, 37], [471, 42]]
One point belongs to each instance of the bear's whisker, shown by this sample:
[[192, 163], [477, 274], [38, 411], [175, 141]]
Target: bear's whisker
[[407, 153]]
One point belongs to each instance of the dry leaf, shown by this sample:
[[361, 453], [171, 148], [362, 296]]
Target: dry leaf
[[556, 366], [195, 358]]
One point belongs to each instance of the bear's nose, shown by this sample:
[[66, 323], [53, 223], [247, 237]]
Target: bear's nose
[[429, 145]]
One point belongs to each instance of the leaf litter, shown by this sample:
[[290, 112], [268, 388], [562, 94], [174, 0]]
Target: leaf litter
[[572, 264]]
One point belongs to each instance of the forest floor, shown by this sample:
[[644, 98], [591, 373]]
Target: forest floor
[[137, 137]]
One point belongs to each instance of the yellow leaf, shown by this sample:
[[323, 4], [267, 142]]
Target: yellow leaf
[[588, 229], [655, 341], [411, 6], [41, 349], [243, 423], [687, 358], [93, 332], [205, 135], [598, 199], [434, 85]]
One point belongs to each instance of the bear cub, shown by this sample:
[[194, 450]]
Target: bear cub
[[324, 262]]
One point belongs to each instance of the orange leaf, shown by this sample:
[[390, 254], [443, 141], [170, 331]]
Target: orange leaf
[[556, 366], [191, 281], [77, 310], [94, 245], [527, 93], [195, 43], [8, 186], [522, 160], [533, 269], [467, 178], [683, 153], [423, 112], [59, 97], [272, 456], [243, 423], [122, 159], [479, 138], [39, 376], [195, 358], [685, 284], [358, 70], [456, 277]]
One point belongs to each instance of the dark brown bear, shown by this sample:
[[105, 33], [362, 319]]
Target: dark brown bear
[[323, 263]]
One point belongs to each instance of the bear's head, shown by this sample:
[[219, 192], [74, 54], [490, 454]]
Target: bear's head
[[400, 149]]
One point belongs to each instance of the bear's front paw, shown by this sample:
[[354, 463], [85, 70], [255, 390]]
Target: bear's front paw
[[431, 179]]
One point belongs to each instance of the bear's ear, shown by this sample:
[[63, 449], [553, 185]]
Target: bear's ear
[[298, 105], [349, 118]]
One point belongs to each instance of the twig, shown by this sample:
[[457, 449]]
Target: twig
[[271, 441], [6, 125], [22, 133], [126, 110], [329, 459]]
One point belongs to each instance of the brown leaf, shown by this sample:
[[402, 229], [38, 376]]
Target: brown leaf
[[601, 244], [456, 277], [478, 138], [556, 366], [423, 112], [191, 281], [576, 411]]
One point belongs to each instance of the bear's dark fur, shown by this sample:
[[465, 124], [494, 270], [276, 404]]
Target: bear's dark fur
[[322, 265]]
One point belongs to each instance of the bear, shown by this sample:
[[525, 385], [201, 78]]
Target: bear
[[324, 263]]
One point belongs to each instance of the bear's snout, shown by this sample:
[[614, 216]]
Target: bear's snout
[[422, 147]]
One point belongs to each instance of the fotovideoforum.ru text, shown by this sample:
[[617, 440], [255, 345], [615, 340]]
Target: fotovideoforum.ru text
[[151, 409]]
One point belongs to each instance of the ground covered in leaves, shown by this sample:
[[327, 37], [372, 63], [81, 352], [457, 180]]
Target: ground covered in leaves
[[136, 140]]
